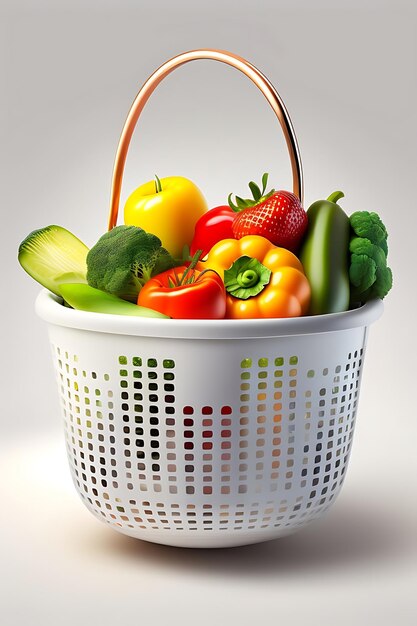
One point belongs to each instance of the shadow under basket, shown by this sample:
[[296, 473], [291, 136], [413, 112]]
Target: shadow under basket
[[207, 433]]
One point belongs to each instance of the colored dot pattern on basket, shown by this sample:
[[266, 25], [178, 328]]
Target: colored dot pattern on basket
[[273, 457]]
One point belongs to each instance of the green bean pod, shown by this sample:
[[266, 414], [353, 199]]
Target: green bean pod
[[324, 255], [86, 298]]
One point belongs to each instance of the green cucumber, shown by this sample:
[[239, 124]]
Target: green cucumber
[[325, 253], [52, 256], [85, 298]]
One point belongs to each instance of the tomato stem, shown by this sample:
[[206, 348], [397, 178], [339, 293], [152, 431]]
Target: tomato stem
[[205, 272], [192, 265], [188, 276]]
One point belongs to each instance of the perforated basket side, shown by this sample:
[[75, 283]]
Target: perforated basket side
[[219, 442]]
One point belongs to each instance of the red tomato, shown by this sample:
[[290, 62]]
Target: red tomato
[[212, 227], [202, 296]]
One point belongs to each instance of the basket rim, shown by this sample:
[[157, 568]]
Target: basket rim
[[49, 308]]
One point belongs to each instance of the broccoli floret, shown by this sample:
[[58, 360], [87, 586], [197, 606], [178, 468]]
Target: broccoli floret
[[370, 277], [370, 226], [124, 259]]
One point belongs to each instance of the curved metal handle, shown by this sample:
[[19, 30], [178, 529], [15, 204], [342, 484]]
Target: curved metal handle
[[153, 81]]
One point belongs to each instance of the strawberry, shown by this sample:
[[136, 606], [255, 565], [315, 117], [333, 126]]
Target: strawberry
[[277, 216]]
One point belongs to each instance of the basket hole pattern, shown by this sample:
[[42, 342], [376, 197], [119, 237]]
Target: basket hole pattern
[[128, 443]]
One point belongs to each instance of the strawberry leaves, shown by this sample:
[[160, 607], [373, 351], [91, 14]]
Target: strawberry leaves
[[258, 196]]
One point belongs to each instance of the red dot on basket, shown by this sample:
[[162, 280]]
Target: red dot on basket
[[188, 410], [188, 445], [207, 410], [207, 434], [188, 434], [207, 445], [226, 433], [188, 422], [226, 410]]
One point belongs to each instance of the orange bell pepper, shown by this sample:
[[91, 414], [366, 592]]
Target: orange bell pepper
[[261, 279]]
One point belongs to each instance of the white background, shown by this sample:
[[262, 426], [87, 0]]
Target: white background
[[69, 72]]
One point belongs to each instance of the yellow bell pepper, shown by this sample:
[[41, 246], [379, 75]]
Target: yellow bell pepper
[[168, 208], [261, 279]]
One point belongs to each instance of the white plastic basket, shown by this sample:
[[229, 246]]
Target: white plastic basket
[[207, 433]]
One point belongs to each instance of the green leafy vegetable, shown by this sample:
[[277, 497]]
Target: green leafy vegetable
[[369, 275], [52, 255], [370, 226], [124, 259]]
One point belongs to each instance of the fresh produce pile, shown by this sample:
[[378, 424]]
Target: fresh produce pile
[[259, 257]]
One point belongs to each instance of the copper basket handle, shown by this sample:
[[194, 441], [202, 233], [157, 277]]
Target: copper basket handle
[[153, 81]]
